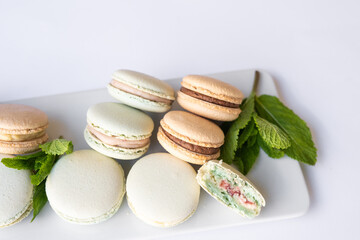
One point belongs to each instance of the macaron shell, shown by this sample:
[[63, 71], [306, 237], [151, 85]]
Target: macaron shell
[[96, 220], [207, 109], [22, 217], [119, 120], [21, 119], [162, 190], [16, 193], [193, 129], [213, 87], [183, 153], [145, 83], [85, 187], [112, 151], [137, 102], [9, 147]]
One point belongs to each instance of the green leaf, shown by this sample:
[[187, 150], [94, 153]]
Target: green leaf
[[44, 170], [227, 153], [252, 139], [271, 152], [57, 147], [246, 133], [22, 162], [248, 156], [39, 199], [239, 163], [302, 146], [39, 161], [272, 134]]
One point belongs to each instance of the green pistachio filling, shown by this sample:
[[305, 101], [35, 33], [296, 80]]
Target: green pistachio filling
[[232, 191]]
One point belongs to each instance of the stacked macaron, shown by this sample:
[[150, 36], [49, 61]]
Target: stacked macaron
[[210, 98], [91, 192], [162, 190], [190, 137], [118, 131], [22, 128], [141, 91]]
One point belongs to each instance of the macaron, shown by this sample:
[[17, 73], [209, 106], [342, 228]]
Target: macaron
[[118, 131], [190, 137], [162, 190], [210, 98], [16, 194], [141, 91], [231, 188], [22, 128], [85, 187]]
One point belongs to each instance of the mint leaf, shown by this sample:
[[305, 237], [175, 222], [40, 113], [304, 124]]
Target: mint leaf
[[302, 147], [39, 199], [252, 139], [44, 170], [22, 162], [248, 156], [57, 147], [239, 163], [227, 153], [272, 134], [246, 133], [271, 152]]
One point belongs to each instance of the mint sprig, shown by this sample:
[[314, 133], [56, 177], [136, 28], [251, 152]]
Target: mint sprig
[[40, 165], [266, 123]]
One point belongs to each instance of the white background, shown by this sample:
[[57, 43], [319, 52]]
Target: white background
[[312, 48]]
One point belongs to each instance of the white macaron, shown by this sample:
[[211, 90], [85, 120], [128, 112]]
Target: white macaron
[[85, 187], [118, 131], [141, 91], [162, 190], [16, 194]]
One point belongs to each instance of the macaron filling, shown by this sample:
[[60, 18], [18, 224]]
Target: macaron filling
[[128, 89], [21, 137], [209, 99], [230, 189], [116, 142], [190, 146]]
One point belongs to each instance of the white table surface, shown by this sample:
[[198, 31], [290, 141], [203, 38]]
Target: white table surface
[[312, 48]]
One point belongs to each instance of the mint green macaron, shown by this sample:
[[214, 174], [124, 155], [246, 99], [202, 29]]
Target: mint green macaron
[[141, 91], [118, 131]]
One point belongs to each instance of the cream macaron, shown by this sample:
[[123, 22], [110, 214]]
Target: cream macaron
[[118, 131], [85, 187], [210, 98], [141, 91], [190, 137], [231, 188], [162, 190], [22, 128], [16, 194]]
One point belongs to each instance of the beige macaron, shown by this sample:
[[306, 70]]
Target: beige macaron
[[22, 128], [190, 137], [210, 98]]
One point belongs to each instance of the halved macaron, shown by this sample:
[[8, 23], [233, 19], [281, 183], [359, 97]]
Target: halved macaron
[[231, 188], [141, 91], [190, 137], [118, 131], [22, 128], [16, 194], [162, 190], [85, 187], [210, 98]]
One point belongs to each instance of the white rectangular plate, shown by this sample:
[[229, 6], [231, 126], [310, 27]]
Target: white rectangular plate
[[279, 180]]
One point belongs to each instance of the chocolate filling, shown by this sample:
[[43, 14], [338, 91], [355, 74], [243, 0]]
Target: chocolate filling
[[189, 146], [208, 99]]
